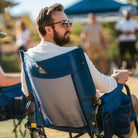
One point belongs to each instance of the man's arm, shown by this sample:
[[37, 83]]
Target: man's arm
[[103, 83], [102, 39], [121, 77], [8, 80], [127, 33], [119, 32], [83, 36]]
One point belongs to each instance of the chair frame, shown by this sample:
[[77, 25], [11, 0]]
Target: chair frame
[[14, 89], [96, 103]]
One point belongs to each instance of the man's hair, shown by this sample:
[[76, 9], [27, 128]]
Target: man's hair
[[45, 17], [126, 11], [21, 23]]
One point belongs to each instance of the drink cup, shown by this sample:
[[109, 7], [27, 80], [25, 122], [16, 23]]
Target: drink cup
[[119, 70]]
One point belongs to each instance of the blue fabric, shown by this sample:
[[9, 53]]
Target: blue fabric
[[118, 110], [74, 63], [10, 108], [94, 6], [119, 100], [7, 93]]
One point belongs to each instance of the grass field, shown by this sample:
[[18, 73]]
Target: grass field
[[6, 131], [6, 127]]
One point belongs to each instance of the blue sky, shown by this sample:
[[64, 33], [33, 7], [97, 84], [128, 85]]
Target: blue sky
[[32, 7]]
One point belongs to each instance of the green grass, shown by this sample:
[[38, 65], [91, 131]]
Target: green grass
[[10, 63], [6, 128]]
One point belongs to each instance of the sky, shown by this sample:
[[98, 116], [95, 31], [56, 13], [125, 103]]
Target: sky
[[32, 7]]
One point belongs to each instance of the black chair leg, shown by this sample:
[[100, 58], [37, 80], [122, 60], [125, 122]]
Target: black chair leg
[[15, 127], [129, 94], [77, 136], [91, 134], [70, 135]]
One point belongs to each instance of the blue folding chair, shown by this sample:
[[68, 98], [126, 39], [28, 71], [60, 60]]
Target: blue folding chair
[[12, 105], [64, 97]]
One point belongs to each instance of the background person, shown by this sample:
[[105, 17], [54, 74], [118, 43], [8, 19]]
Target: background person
[[126, 30], [93, 41], [23, 36]]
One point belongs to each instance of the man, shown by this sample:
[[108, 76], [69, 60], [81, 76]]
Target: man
[[126, 30], [54, 28], [7, 80], [93, 41]]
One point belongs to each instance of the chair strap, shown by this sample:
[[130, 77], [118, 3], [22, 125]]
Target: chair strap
[[129, 94]]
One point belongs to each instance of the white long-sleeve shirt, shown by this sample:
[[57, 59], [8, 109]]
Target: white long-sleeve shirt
[[47, 50]]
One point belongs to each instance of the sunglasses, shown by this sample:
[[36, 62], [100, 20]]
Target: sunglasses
[[65, 23]]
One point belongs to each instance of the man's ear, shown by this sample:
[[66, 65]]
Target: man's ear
[[48, 29]]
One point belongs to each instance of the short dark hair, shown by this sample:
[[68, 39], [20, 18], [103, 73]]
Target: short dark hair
[[45, 17], [20, 23]]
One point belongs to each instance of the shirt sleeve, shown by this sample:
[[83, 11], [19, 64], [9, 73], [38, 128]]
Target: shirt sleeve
[[102, 83], [85, 29], [117, 26], [136, 25]]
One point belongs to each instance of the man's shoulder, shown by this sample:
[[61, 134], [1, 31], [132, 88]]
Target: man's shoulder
[[70, 48], [44, 51], [133, 20], [120, 21]]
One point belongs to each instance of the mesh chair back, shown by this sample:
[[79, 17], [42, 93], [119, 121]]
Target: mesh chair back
[[63, 88]]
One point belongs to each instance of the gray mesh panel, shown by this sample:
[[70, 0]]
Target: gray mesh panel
[[59, 101]]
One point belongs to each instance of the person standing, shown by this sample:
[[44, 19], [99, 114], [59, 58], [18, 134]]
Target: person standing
[[93, 40], [126, 30], [23, 37]]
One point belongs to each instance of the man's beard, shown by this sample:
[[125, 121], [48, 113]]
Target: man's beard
[[61, 41]]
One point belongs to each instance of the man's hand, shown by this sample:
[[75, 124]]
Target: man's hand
[[128, 33], [121, 77]]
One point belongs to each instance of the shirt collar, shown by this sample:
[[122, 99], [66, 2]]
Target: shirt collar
[[49, 43]]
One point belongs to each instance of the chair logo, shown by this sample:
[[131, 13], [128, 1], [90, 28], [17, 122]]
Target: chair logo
[[41, 70]]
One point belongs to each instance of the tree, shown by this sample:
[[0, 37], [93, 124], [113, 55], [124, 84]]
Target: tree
[[130, 1], [5, 3], [133, 2]]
